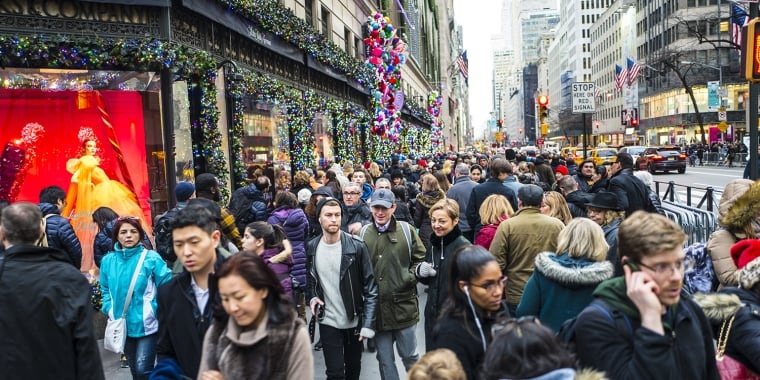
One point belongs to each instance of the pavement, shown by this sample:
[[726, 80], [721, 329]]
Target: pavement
[[370, 368]]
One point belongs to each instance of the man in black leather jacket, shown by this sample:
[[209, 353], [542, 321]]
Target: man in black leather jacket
[[631, 192], [348, 300]]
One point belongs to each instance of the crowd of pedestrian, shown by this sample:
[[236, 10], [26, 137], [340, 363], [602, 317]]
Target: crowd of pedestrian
[[535, 266]]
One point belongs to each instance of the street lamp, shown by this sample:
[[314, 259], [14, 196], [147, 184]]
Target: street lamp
[[720, 75]]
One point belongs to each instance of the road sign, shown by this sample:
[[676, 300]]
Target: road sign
[[722, 116], [540, 141], [583, 97]]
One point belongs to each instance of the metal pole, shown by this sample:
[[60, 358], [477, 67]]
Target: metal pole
[[585, 137], [754, 91], [167, 113]]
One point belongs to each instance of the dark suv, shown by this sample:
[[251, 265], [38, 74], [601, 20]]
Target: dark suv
[[662, 158]]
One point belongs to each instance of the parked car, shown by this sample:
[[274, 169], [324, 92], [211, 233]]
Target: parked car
[[603, 156], [633, 150], [662, 158]]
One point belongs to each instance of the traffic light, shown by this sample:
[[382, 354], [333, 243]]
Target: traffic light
[[751, 51], [500, 123], [635, 117], [543, 103]]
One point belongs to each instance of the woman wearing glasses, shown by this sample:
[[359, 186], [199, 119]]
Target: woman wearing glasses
[[476, 285], [127, 257], [562, 283]]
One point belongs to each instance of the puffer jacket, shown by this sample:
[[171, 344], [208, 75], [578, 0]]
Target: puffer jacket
[[60, 234], [358, 288], [281, 269], [739, 218], [744, 336], [561, 287], [115, 277], [104, 244], [296, 227]]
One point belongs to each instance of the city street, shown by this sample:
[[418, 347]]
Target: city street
[[370, 369], [698, 177]]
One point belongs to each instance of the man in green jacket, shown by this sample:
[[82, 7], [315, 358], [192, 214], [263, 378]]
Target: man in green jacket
[[396, 250]]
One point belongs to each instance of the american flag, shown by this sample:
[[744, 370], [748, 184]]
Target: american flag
[[621, 75], [739, 20], [633, 71], [463, 66], [597, 91]]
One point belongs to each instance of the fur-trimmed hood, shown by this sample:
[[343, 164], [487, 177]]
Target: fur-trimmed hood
[[573, 272], [430, 198], [739, 207], [718, 306]]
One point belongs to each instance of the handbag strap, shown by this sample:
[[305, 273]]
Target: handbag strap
[[725, 329], [134, 280]]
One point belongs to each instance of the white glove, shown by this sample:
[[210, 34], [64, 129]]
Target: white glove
[[367, 333], [425, 269]]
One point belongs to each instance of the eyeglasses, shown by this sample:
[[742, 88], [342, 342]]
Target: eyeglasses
[[682, 266], [353, 194], [492, 286], [507, 325]]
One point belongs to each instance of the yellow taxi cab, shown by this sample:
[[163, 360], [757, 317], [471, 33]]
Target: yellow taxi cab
[[578, 155], [603, 156]]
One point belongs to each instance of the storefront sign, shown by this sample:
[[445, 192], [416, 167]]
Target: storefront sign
[[216, 12], [76, 10]]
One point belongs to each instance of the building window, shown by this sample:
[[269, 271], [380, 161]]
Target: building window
[[308, 7], [326, 22], [359, 48]]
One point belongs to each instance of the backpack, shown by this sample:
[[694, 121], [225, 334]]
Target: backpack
[[162, 232], [243, 209], [566, 332], [404, 228], [702, 278], [43, 241]]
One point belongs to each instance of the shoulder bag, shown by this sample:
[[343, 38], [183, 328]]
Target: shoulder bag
[[116, 329], [728, 367]]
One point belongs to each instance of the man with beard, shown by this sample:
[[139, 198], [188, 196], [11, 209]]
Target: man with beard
[[357, 211], [639, 326], [342, 292], [583, 177]]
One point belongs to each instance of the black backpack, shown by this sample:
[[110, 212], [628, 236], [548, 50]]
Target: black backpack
[[162, 232], [242, 208], [566, 332]]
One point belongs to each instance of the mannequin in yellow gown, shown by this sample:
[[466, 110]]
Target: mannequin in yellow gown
[[91, 188]]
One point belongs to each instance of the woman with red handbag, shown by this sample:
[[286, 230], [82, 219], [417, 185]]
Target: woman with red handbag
[[735, 314]]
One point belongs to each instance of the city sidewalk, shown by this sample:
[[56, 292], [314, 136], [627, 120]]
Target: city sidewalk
[[370, 370]]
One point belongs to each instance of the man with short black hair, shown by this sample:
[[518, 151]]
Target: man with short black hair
[[341, 282], [584, 176], [186, 303], [519, 239], [576, 199], [631, 192], [641, 325], [493, 185], [207, 186], [46, 316], [60, 234]]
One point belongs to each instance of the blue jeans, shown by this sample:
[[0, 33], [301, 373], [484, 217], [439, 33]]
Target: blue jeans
[[406, 345], [141, 355]]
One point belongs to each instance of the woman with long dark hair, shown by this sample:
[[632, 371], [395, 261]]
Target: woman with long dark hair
[[476, 285], [259, 335], [268, 241]]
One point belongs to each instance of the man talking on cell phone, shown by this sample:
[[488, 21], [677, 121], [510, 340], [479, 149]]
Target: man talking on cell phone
[[640, 325], [342, 281]]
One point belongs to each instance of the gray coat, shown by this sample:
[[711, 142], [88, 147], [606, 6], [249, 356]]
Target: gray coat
[[460, 192]]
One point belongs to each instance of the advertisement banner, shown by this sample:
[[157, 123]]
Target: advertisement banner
[[713, 100]]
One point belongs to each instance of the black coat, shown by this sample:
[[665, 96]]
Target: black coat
[[576, 202], [459, 333], [631, 192], [60, 234], [181, 324], [46, 318], [479, 194], [744, 338], [625, 350], [358, 288]]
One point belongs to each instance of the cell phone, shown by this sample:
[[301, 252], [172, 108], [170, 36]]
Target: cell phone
[[634, 267], [319, 311]]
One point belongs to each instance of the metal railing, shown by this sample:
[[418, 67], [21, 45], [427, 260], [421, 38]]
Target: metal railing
[[708, 200]]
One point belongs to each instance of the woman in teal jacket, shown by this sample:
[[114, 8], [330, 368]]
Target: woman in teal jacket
[[116, 271]]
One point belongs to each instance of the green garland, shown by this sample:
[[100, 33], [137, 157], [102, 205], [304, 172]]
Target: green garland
[[274, 17]]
